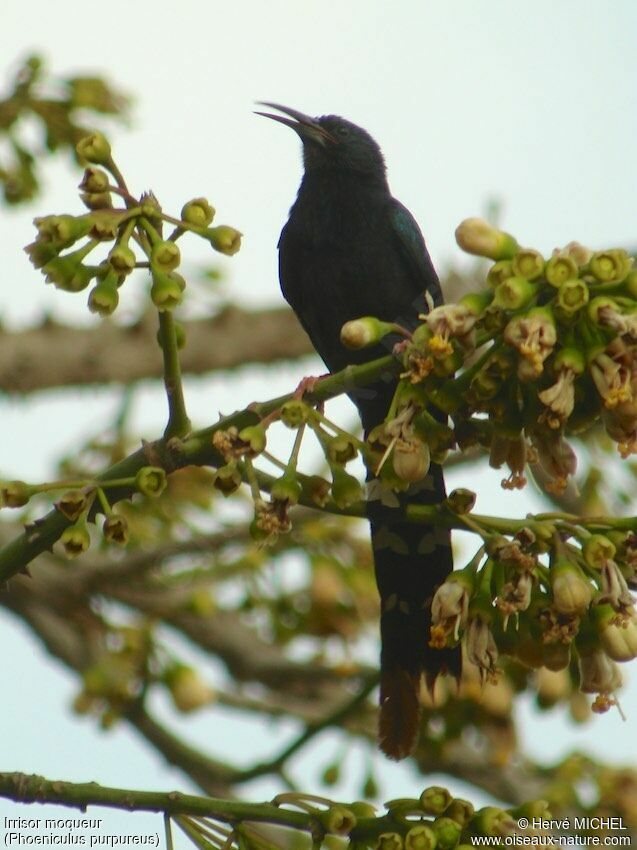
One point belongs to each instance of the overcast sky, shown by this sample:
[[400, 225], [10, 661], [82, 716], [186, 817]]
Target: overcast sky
[[530, 103]]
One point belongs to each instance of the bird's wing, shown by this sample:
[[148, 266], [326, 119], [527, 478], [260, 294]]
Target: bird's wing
[[412, 246]]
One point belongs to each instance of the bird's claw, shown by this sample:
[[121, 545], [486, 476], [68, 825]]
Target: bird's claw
[[306, 385], [399, 349]]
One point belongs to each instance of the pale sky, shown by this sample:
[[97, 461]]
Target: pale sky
[[531, 103]]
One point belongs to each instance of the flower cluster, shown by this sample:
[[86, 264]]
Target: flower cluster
[[66, 244], [547, 351], [82, 500], [436, 819], [564, 354], [551, 598]]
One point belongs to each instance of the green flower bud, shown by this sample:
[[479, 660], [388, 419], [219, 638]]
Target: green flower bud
[[97, 200], [532, 809], [286, 489], [572, 296], [73, 503], [94, 148], [224, 239], [447, 832], [151, 481], [165, 256], [611, 266], [254, 438], [476, 236], [514, 293], [151, 208], [227, 479], [499, 272], [572, 593], [363, 809], [618, 636], [316, 489], [435, 799], [362, 333], [105, 224], [198, 212], [295, 412], [40, 253], [75, 539], [476, 302], [389, 841], [188, 690], [491, 820], [421, 837], [597, 549], [570, 358], [340, 449], [461, 501], [338, 820], [460, 810], [104, 298], [68, 273], [94, 181], [15, 494], [122, 259], [115, 529], [560, 268], [346, 489], [528, 263], [62, 230], [166, 291]]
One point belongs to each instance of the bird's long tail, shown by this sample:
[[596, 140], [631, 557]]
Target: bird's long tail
[[411, 561]]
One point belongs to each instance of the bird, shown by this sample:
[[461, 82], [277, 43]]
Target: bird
[[349, 249]]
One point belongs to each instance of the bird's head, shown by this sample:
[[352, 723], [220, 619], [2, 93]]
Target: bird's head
[[331, 142]]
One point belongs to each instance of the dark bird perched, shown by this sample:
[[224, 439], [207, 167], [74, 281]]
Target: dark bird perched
[[349, 249]]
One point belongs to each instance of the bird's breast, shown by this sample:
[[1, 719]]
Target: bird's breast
[[339, 266]]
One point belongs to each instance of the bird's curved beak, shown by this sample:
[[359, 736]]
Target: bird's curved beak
[[307, 128]]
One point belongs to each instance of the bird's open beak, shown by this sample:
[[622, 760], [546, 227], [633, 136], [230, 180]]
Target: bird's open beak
[[307, 128]]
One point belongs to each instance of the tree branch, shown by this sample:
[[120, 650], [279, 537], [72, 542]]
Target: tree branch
[[56, 355]]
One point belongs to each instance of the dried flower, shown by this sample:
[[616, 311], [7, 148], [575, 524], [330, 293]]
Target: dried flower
[[614, 588], [481, 648], [598, 673], [450, 608], [612, 379], [559, 399], [533, 335]]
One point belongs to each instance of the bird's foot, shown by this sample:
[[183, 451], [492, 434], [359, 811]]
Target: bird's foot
[[399, 349], [307, 385]]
